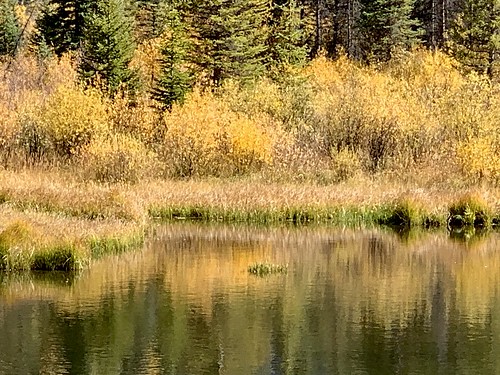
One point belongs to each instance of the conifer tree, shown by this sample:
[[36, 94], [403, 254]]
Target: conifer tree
[[9, 27], [175, 80], [152, 18], [286, 41], [386, 25], [475, 35], [230, 38], [61, 24], [107, 46]]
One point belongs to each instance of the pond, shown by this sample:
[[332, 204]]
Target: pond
[[352, 302]]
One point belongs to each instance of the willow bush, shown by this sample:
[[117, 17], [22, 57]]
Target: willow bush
[[204, 137], [327, 122]]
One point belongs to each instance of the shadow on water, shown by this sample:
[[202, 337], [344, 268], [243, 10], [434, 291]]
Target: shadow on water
[[353, 301]]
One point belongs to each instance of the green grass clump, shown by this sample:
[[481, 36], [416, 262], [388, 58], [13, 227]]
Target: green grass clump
[[264, 269], [63, 257], [470, 210], [405, 213], [101, 246], [299, 215], [408, 213]]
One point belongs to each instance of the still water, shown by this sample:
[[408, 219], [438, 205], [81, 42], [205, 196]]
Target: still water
[[352, 302]]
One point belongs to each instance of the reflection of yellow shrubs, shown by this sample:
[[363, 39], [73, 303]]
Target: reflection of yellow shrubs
[[118, 158], [205, 137], [72, 118]]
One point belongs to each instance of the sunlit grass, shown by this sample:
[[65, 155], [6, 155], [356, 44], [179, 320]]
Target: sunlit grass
[[31, 240]]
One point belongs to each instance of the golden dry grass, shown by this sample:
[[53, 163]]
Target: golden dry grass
[[64, 194]]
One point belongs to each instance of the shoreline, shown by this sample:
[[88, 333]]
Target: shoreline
[[49, 221]]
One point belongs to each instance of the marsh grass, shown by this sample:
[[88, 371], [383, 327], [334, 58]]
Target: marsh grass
[[43, 241], [470, 210], [266, 269], [53, 221]]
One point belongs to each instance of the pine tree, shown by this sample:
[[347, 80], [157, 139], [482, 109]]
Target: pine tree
[[475, 35], [386, 25], [152, 18], [230, 38], [436, 16], [9, 28], [286, 41], [175, 80], [61, 24], [107, 46]]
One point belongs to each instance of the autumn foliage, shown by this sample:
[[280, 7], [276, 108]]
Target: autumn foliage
[[329, 121]]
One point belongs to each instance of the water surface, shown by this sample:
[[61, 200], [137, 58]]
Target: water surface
[[352, 302]]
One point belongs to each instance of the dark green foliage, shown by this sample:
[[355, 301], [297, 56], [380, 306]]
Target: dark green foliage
[[469, 211], [61, 24], [475, 35], [61, 258], [175, 80], [230, 38], [286, 40], [385, 26], [152, 18], [10, 30], [405, 213], [108, 47]]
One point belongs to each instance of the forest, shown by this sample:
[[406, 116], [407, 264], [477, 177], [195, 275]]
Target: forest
[[324, 89]]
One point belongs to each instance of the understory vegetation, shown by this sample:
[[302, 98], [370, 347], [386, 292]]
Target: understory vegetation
[[416, 117]]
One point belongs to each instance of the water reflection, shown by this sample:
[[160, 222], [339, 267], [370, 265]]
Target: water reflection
[[352, 302]]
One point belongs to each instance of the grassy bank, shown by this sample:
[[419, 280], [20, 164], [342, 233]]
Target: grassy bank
[[31, 240], [50, 220]]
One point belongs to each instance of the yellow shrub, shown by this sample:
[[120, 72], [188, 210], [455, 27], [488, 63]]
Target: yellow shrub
[[8, 131], [136, 117], [480, 158], [72, 118], [430, 75], [345, 164], [146, 61], [118, 158], [205, 137]]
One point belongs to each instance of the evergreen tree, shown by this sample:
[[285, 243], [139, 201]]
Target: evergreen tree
[[386, 25], [152, 18], [61, 24], [230, 38], [9, 27], [107, 46], [286, 42], [175, 81], [475, 35], [436, 16]]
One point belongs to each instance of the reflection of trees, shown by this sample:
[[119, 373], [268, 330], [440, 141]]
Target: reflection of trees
[[348, 303]]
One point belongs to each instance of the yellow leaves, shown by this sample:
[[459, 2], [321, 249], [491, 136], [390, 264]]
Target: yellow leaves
[[480, 158], [206, 136], [136, 116], [249, 141], [73, 117], [146, 60], [117, 158]]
